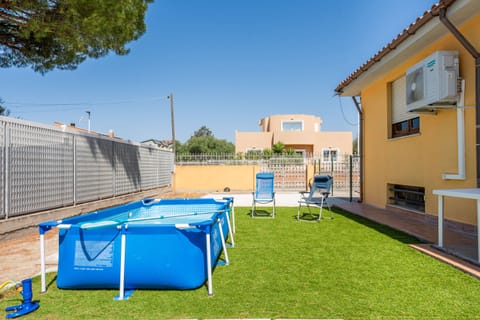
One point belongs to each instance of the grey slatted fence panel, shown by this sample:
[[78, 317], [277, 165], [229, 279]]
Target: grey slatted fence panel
[[40, 169], [148, 167], [2, 169], [94, 168], [165, 160], [127, 168]]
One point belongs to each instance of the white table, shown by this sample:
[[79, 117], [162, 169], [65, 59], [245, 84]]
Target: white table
[[457, 193]]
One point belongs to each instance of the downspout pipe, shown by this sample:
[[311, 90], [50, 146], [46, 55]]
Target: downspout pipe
[[360, 144], [476, 55], [460, 140]]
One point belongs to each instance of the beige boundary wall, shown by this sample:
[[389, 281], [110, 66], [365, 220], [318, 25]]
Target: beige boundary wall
[[196, 178], [193, 178]]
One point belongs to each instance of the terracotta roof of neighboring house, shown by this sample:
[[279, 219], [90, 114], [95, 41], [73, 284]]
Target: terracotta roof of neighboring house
[[405, 34], [73, 127]]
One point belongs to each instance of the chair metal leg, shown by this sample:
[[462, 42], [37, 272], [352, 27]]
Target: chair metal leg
[[254, 210], [329, 209], [309, 212], [273, 215], [321, 211]]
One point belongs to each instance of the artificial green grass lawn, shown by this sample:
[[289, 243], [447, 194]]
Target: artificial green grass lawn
[[346, 268]]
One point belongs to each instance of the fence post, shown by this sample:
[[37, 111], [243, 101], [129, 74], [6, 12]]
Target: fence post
[[351, 177], [331, 169], [114, 170], [6, 174], [74, 169]]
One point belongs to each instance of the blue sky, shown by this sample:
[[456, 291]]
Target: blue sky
[[229, 63]]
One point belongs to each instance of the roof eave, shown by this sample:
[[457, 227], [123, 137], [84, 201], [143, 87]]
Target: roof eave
[[418, 36]]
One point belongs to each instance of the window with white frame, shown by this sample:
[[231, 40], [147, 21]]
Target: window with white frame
[[292, 125], [330, 155], [403, 122]]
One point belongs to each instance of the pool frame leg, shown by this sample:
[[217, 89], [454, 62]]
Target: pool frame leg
[[233, 219], [209, 264], [224, 245], [232, 209], [232, 241], [121, 294], [42, 263]]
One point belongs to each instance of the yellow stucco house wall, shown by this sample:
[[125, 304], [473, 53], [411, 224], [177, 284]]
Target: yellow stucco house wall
[[419, 159], [299, 132]]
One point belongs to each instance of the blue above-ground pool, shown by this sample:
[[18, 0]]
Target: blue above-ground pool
[[148, 244]]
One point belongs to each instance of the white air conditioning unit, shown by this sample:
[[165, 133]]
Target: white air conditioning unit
[[432, 83]]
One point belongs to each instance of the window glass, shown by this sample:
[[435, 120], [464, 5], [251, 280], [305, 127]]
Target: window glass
[[330, 155], [333, 155], [406, 127], [292, 125], [416, 123]]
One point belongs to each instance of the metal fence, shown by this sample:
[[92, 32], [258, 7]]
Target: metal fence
[[291, 170], [345, 172], [44, 167], [212, 159], [290, 173]]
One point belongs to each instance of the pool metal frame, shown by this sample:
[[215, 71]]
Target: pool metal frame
[[123, 228]]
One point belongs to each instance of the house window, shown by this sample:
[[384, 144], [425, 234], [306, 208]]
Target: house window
[[330, 155], [403, 123], [407, 197], [292, 125], [406, 127]]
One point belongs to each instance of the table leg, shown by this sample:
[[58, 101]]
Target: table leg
[[440, 221]]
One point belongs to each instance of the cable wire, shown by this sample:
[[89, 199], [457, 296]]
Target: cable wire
[[343, 113]]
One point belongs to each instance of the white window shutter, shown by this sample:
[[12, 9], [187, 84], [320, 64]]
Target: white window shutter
[[399, 102]]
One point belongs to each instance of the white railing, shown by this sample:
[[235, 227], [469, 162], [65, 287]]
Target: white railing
[[290, 170]]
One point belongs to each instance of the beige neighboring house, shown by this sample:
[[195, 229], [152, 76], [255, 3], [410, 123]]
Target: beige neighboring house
[[299, 132]]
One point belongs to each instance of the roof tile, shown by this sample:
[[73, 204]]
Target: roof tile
[[401, 37]]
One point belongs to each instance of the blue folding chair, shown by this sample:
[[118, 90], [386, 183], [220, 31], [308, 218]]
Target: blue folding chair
[[264, 194], [321, 185]]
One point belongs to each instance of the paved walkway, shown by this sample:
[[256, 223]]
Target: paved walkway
[[424, 228], [20, 258]]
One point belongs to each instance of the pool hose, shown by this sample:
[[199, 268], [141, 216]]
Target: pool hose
[[8, 284]]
